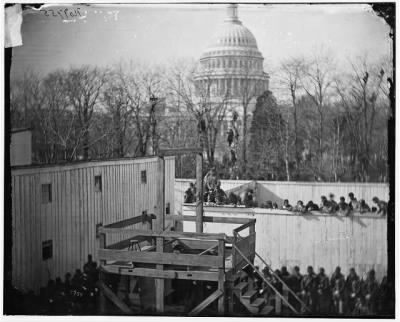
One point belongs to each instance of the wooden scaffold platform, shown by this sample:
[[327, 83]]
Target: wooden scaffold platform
[[155, 270]]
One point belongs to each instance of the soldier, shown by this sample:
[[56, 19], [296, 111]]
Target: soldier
[[353, 203], [309, 289], [370, 291], [323, 290], [295, 282], [284, 274], [337, 286], [352, 290], [286, 205], [90, 269], [350, 278], [382, 206]]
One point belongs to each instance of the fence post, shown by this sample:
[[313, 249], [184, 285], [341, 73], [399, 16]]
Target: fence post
[[102, 238], [221, 276]]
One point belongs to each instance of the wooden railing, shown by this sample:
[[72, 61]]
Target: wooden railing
[[206, 241], [246, 245], [112, 253]]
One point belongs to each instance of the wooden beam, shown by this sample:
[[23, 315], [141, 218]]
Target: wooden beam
[[126, 242], [244, 226], [166, 274], [199, 197], [159, 226], [114, 298], [221, 277], [206, 303], [102, 242], [166, 234], [228, 220], [197, 244], [125, 223], [208, 249], [169, 152], [158, 258]]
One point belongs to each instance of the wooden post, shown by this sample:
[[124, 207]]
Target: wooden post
[[159, 227], [252, 230], [234, 252], [102, 297], [199, 184], [102, 238], [221, 277]]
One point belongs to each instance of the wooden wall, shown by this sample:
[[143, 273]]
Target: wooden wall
[[327, 241], [277, 191], [70, 219], [21, 148]]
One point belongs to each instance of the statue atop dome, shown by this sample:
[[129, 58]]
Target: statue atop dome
[[232, 13]]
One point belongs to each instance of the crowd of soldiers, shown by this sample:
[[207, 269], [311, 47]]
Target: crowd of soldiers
[[337, 295], [77, 295], [214, 194], [331, 206]]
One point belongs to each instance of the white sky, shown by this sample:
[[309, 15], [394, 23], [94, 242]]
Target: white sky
[[161, 33]]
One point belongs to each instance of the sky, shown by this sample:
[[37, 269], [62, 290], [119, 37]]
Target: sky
[[161, 33]]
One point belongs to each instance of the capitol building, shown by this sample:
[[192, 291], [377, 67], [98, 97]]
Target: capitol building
[[232, 65]]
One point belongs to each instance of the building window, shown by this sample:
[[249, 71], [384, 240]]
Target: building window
[[46, 193], [97, 184], [47, 250], [143, 176]]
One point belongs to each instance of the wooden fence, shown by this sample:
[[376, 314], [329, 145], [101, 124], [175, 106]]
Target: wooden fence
[[56, 208], [320, 240], [277, 191]]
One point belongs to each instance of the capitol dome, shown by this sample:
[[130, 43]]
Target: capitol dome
[[232, 60]]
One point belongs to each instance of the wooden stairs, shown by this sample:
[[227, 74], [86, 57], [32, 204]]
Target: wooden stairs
[[252, 299]]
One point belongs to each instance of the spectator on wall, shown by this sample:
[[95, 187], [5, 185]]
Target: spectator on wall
[[363, 207], [381, 206], [353, 203], [286, 205], [333, 203], [311, 206], [300, 207]]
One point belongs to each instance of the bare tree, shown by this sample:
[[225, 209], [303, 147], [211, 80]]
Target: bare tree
[[360, 97], [291, 72], [115, 100], [143, 88], [83, 87], [202, 101], [251, 86], [57, 116], [317, 84]]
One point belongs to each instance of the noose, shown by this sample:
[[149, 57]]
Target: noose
[[233, 142]]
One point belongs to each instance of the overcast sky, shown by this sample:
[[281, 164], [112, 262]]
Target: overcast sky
[[161, 33]]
